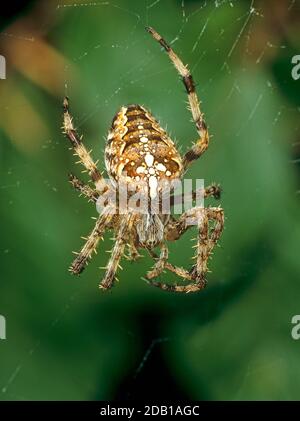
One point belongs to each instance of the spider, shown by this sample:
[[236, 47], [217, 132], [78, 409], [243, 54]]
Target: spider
[[137, 148]]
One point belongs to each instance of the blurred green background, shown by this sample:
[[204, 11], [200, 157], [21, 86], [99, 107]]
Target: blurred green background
[[67, 340]]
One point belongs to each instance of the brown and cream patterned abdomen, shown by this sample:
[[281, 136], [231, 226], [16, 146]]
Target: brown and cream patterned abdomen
[[140, 150]]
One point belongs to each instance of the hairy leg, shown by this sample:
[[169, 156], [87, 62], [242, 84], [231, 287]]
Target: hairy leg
[[182, 273], [90, 245], [213, 190], [116, 253], [160, 263], [80, 150], [133, 252], [85, 190], [201, 144], [207, 237], [205, 244]]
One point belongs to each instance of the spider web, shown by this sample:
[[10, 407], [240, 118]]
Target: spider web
[[195, 21]]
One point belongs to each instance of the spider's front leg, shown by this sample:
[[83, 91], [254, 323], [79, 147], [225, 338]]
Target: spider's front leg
[[133, 253], [160, 262], [80, 150], [205, 243], [90, 245], [116, 253], [207, 238]]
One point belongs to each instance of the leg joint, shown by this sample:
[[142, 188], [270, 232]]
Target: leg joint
[[189, 83]]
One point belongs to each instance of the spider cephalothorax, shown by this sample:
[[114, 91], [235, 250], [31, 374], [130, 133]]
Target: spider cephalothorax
[[141, 156]]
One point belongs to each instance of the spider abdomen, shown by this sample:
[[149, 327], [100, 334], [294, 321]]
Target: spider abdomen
[[139, 149]]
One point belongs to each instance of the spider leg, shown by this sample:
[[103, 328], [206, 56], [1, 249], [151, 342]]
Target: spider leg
[[212, 190], [217, 215], [192, 287], [205, 244], [175, 269], [90, 245], [201, 144], [85, 190], [116, 253], [207, 238], [198, 282], [160, 263], [133, 251], [80, 150]]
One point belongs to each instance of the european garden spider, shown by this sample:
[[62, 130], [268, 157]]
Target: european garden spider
[[138, 149]]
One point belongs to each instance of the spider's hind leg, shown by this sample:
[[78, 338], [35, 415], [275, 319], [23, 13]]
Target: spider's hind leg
[[80, 150], [201, 144], [84, 189]]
